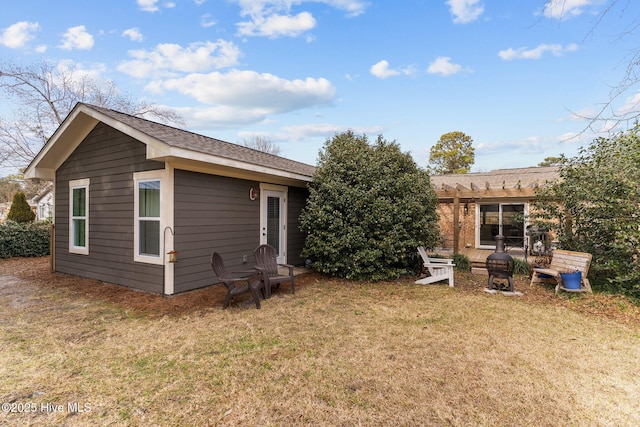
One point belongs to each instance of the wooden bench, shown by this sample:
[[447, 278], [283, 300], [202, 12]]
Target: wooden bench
[[565, 262]]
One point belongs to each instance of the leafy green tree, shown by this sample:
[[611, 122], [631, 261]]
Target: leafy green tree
[[8, 188], [594, 207], [553, 161], [20, 210], [369, 208], [453, 153]]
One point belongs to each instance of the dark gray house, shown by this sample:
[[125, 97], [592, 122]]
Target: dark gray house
[[129, 191]]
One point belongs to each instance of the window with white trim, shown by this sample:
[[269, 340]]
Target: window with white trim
[[148, 240], [79, 216]]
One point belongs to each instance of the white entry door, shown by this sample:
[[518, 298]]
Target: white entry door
[[273, 219]]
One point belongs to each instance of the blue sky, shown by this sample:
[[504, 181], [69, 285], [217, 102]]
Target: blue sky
[[513, 75]]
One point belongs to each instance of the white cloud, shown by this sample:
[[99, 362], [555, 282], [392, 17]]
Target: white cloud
[[352, 7], [382, 71], [630, 106], [133, 34], [330, 129], [537, 52], [219, 116], [169, 58], [148, 5], [77, 38], [207, 21], [443, 66], [17, 35], [526, 146], [273, 18], [465, 11], [565, 9], [274, 26], [249, 91]]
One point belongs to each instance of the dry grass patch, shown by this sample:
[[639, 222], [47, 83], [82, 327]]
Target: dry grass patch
[[335, 353]]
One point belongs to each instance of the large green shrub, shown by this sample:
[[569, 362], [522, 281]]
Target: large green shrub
[[368, 210], [23, 240], [594, 207], [20, 210]]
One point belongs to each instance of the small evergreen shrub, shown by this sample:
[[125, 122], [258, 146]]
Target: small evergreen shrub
[[23, 240], [521, 267], [20, 210], [462, 262]]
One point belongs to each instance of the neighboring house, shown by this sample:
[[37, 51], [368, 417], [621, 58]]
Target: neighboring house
[[43, 204], [4, 211], [128, 191], [475, 207]]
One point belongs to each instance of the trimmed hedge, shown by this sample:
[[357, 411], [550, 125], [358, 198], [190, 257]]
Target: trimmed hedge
[[23, 240]]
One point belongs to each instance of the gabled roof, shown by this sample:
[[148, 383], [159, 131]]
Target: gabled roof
[[47, 190], [164, 143]]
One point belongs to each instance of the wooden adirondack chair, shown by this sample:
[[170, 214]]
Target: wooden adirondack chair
[[236, 282], [439, 269], [267, 265]]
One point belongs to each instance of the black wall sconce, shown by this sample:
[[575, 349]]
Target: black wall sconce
[[466, 208]]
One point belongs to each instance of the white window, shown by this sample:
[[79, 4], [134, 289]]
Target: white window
[[147, 227], [79, 216]]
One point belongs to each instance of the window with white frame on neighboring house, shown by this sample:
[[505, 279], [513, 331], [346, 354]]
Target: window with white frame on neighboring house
[[79, 216], [147, 225]]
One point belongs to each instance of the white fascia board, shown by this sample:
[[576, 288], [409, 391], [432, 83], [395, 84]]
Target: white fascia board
[[60, 146], [164, 152]]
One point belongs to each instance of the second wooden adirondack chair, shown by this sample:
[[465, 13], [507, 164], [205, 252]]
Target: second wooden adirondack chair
[[266, 263]]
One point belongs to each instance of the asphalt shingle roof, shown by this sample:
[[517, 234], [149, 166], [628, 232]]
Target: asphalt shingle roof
[[180, 138], [510, 178]]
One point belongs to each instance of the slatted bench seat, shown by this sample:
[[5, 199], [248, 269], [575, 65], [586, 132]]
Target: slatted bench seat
[[565, 262]]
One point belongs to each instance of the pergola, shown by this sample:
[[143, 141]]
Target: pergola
[[498, 186]]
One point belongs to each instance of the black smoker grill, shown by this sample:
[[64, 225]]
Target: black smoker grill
[[500, 265]]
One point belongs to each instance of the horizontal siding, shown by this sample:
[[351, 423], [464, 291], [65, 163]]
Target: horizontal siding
[[109, 159], [212, 213], [295, 237]]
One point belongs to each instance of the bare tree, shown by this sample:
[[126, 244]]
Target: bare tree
[[262, 144], [43, 94], [609, 112]]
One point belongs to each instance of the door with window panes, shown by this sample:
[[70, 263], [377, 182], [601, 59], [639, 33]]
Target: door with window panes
[[273, 225], [501, 218]]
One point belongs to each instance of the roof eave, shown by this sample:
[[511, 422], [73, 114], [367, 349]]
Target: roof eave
[[208, 163]]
